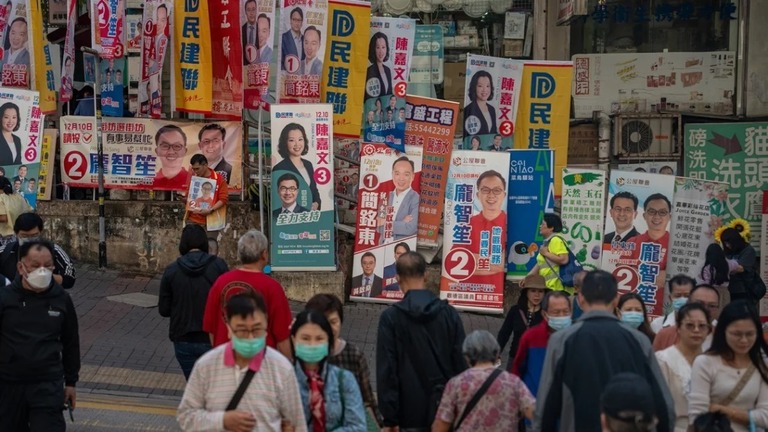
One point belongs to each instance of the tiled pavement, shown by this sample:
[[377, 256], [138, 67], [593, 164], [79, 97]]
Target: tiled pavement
[[125, 349]]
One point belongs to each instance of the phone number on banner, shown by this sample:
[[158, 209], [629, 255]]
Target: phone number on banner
[[430, 129]]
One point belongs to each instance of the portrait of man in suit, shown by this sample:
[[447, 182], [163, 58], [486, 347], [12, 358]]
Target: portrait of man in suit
[[288, 189], [390, 271], [623, 212], [16, 50], [367, 284], [211, 142], [292, 43], [264, 26], [250, 32], [403, 200], [311, 65]]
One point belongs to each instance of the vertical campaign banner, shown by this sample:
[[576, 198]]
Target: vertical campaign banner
[[192, 67], [698, 209], [531, 194], [430, 124], [226, 57], [257, 39], [302, 50], [582, 210], [112, 82], [108, 28], [21, 139], [302, 222], [17, 47], [133, 31], [348, 41], [475, 231], [47, 159], [155, 43], [44, 81], [68, 63], [386, 79], [387, 219], [493, 88], [545, 110], [637, 240]]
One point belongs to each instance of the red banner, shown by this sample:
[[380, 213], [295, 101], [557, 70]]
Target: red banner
[[108, 28], [68, 65], [227, 54], [155, 42]]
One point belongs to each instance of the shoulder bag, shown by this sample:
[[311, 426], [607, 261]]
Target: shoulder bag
[[566, 271], [477, 396], [241, 390], [739, 386]]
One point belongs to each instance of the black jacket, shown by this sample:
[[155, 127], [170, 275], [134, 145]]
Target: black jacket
[[64, 266], [39, 338], [515, 324], [420, 328], [184, 291]]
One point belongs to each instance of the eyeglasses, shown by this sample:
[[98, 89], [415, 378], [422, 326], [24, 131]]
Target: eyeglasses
[[695, 327], [288, 189], [654, 212], [175, 147], [207, 142], [243, 333], [623, 209], [494, 191], [742, 335]]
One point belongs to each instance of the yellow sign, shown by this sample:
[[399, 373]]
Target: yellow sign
[[47, 156], [44, 81], [192, 56]]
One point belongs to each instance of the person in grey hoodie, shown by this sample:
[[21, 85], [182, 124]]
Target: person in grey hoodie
[[183, 293]]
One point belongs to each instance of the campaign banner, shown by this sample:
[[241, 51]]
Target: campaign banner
[[21, 140], [302, 223], [698, 209], [302, 50], [582, 210], [47, 159], [531, 194], [148, 154], [16, 46], [192, 68], [133, 31], [258, 37], [108, 28], [428, 53], [344, 76], [226, 55], [732, 153], [387, 219], [89, 68], [430, 124], [545, 109], [112, 81], [346, 177], [636, 242], [386, 79], [475, 231], [660, 167], [68, 63], [154, 46], [45, 81]]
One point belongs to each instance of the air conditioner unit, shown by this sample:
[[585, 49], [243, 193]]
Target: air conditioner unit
[[646, 137]]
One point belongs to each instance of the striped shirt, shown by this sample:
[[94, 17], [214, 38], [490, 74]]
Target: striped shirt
[[273, 394]]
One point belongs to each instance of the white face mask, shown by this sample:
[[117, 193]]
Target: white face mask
[[23, 240], [40, 278]]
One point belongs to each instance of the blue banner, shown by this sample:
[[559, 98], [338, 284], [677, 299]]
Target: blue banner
[[111, 81]]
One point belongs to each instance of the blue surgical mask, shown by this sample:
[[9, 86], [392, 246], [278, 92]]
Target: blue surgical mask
[[559, 323], [248, 348], [632, 318], [678, 303], [311, 353]]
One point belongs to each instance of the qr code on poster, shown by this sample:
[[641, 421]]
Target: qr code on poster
[[325, 235]]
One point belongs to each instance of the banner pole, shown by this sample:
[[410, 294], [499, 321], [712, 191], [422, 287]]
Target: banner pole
[[261, 173]]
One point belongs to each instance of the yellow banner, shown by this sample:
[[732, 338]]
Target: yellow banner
[[545, 110], [343, 77], [43, 81], [191, 59]]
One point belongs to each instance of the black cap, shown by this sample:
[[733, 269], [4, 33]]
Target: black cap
[[625, 393]]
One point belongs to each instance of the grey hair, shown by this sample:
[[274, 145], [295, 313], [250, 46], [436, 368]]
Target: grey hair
[[480, 346], [251, 246], [554, 294]]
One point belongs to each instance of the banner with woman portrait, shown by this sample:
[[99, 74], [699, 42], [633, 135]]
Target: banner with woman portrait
[[302, 214], [302, 50], [21, 140], [387, 219], [68, 63], [16, 45], [257, 28], [636, 242], [155, 44], [582, 210], [475, 229], [493, 88], [386, 80]]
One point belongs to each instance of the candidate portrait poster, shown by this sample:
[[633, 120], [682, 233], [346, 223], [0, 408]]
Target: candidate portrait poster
[[155, 43], [386, 80], [387, 219], [16, 45], [148, 154], [302, 213], [112, 81], [226, 60], [21, 140], [68, 63], [257, 34], [582, 210], [108, 28], [636, 239], [302, 50], [493, 87], [133, 31], [473, 269]]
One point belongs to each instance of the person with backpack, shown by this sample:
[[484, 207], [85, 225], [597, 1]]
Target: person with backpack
[[553, 254]]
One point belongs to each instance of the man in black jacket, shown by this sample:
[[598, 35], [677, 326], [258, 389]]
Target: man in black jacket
[[28, 227], [418, 350], [39, 345]]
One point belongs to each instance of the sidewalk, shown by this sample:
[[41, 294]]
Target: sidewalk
[[125, 348]]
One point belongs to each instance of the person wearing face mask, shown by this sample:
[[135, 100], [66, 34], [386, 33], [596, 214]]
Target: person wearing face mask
[[680, 287], [269, 395], [39, 345], [706, 295], [631, 311], [330, 395]]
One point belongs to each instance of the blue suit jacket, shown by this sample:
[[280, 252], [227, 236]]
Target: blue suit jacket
[[409, 206], [287, 47]]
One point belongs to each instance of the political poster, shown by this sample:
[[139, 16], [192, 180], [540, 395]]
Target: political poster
[[148, 154], [47, 158], [655, 167], [347, 177], [133, 31], [348, 41], [16, 45], [475, 229], [21, 140], [430, 124], [543, 119], [386, 80], [112, 81], [192, 64], [493, 87], [428, 53], [764, 256], [155, 44], [44, 79], [302, 50], [637, 236], [531, 194], [108, 28], [302, 213], [698, 210], [68, 63], [258, 37], [226, 57], [89, 68], [582, 210], [736, 154], [387, 219]]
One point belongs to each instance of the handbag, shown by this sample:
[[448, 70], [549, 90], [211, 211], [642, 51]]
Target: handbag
[[748, 282], [567, 271], [477, 396]]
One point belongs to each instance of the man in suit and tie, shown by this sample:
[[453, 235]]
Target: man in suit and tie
[[623, 212], [292, 43], [403, 200], [367, 284], [21, 175], [264, 26], [288, 188], [250, 31], [211, 142]]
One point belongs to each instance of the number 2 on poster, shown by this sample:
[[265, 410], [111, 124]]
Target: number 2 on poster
[[626, 278], [460, 264], [75, 165]]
